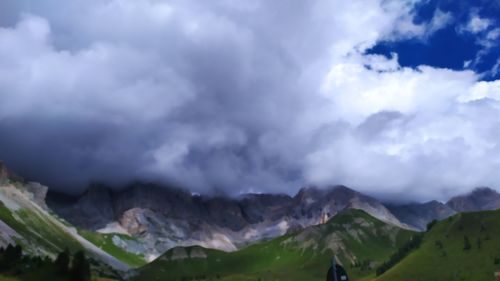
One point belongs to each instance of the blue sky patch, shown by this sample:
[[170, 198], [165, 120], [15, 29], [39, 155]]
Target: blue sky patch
[[470, 41]]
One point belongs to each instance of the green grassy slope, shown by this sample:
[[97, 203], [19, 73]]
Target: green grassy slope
[[41, 233], [42, 237], [359, 241], [444, 254], [105, 242], [39, 236]]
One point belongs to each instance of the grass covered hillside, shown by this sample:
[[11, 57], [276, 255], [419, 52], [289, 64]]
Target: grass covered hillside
[[35, 233], [108, 243], [465, 247], [25, 221], [360, 241]]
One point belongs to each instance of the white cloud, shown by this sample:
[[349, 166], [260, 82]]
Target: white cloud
[[404, 27], [486, 35], [493, 34], [477, 24], [439, 21], [217, 95], [426, 131], [496, 68]]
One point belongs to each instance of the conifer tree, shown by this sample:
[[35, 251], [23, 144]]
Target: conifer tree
[[62, 261], [80, 269], [467, 245]]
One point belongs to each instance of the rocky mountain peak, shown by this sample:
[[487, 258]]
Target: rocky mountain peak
[[344, 190], [36, 191], [307, 192], [313, 193], [482, 198], [6, 174], [418, 215], [432, 203], [483, 192]]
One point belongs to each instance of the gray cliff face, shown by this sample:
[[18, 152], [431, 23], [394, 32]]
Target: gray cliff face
[[92, 210], [37, 191], [419, 215], [480, 199], [261, 207]]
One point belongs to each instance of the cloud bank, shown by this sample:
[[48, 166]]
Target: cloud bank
[[238, 96]]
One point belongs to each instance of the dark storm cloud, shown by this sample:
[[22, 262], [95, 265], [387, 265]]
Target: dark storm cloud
[[230, 95]]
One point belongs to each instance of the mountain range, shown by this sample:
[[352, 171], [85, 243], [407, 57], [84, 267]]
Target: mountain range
[[164, 218], [155, 228]]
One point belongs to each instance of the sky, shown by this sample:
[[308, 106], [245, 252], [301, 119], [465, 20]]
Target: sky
[[399, 99]]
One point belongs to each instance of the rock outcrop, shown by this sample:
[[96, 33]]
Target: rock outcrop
[[6, 174]]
